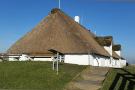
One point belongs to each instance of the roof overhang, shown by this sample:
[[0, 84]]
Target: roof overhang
[[55, 51]]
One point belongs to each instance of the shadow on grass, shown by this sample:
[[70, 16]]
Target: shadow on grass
[[125, 77]]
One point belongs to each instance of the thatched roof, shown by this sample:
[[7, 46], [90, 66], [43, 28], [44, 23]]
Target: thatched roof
[[104, 41], [59, 32], [115, 55], [47, 53], [117, 47], [122, 57], [9, 55]]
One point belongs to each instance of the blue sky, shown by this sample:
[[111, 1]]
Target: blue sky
[[108, 18]]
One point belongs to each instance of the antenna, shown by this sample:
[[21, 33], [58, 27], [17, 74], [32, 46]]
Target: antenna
[[95, 33], [59, 4], [82, 18]]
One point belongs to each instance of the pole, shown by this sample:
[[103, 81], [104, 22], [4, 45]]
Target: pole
[[57, 61], [59, 4], [53, 60], [82, 18]]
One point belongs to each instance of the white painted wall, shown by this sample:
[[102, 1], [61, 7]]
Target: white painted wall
[[110, 61], [11, 58], [107, 48], [96, 62], [43, 59], [107, 64], [24, 57], [102, 60], [6, 58], [118, 52], [91, 60], [80, 59], [83, 59]]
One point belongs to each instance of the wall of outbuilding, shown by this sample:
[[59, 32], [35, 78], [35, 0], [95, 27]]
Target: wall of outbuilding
[[11, 58], [43, 59], [85, 59], [80, 59]]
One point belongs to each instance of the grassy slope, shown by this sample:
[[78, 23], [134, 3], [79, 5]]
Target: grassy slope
[[121, 79], [36, 75]]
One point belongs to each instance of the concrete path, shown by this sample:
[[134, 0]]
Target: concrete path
[[93, 80]]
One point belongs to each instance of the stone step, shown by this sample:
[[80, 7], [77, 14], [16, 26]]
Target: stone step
[[94, 77], [87, 84], [100, 72], [99, 68]]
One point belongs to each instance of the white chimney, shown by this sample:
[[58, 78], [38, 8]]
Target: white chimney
[[77, 19]]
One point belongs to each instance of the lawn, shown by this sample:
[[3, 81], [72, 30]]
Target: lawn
[[36, 75], [121, 79]]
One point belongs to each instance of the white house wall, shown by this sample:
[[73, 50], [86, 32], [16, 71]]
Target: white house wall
[[118, 52], [91, 60], [103, 61], [107, 48], [107, 62], [6, 58], [113, 62], [118, 62], [80, 59], [24, 57], [77, 59], [83, 59], [43, 59], [11, 58]]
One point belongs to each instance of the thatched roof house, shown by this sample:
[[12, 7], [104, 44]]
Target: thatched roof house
[[107, 41], [59, 32]]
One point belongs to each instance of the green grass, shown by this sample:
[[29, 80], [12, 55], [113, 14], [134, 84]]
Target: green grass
[[121, 79], [36, 75]]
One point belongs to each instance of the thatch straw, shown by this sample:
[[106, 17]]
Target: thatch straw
[[115, 55], [117, 47], [104, 41], [59, 32]]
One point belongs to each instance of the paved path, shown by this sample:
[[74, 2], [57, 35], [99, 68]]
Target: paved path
[[93, 80]]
